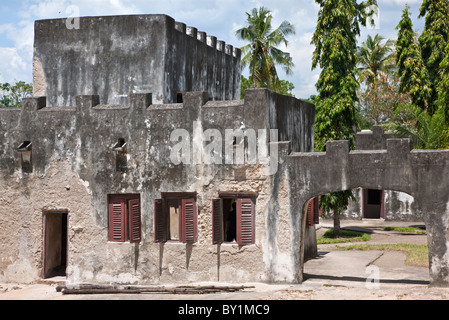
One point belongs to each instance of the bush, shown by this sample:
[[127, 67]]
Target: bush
[[345, 236]]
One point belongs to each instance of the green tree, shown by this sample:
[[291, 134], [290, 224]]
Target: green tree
[[261, 54], [379, 101], [336, 202], [286, 87], [375, 57], [433, 41], [412, 72], [335, 40], [424, 73], [11, 95], [443, 90], [379, 97], [426, 131]]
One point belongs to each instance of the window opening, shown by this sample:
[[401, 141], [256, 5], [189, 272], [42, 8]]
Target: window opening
[[233, 219], [230, 219], [121, 160], [124, 218], [25, 150], [173, 219], [179, 98], [176, 218]]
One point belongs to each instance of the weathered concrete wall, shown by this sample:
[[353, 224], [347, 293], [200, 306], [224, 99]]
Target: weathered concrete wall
[[419, 173], [375, 139], [74, 171], [116, 55], [196, 61], [398, 206]]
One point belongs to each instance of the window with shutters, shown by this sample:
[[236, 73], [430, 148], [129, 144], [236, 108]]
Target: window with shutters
[[124, 218], [175, 218], [233, 219], [313, 212]]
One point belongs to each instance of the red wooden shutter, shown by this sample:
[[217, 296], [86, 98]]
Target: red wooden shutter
[[245, 221], [117, 219], [316, 212], [160, 222], [189, 221], [217, 221], [134, 220], [310, 214]]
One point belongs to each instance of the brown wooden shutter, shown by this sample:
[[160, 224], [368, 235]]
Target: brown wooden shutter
[[217, 221], [245, 221], [117, 219], [316, 212], [160, 222], [189, 221], [310, 214], [134, 220]]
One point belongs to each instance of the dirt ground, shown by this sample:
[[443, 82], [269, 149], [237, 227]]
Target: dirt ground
[[333, 275]]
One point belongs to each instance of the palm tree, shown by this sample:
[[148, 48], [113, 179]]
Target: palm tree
[[375, 57], [261, 53]]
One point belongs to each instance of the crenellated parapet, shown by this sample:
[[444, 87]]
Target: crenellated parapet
[[208, 39], [114, 55], [422, 174], [144, 124]]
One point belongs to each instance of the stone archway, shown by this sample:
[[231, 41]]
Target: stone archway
[[420, 173]]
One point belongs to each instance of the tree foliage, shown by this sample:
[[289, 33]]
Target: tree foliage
[[11, 95], [424, 73], [262, 54], [380, 100], [380, 96], [286, 87], [426, 131], [443, 89], [433, 41], [336, 202], [375, 58], [412, 72], [335, 40]]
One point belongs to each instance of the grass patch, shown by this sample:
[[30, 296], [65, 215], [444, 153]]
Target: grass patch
[[345, 236], [406, 229], [417, 255]]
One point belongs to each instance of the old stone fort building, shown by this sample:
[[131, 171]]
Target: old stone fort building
[[89, 188]]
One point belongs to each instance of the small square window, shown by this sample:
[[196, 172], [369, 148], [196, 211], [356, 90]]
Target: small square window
[[26, 151], [121, 159]]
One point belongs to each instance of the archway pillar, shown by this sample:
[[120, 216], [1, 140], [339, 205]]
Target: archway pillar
[[420, 173]]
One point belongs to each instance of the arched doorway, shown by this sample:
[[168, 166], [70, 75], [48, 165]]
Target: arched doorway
[[390, 258]]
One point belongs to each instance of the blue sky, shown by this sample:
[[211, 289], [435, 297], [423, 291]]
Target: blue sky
[[215, 17]]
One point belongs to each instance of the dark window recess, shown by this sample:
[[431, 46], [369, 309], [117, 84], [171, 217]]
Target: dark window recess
[[233, 219], [121, 160], [124, 218], [26, 156], [176, 218], [374, 196], [179, 98]]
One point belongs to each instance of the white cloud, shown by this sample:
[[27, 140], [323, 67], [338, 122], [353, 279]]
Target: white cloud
[[215, 17], [13, 67]]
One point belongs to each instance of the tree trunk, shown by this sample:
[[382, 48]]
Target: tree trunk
[[336, 223]]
